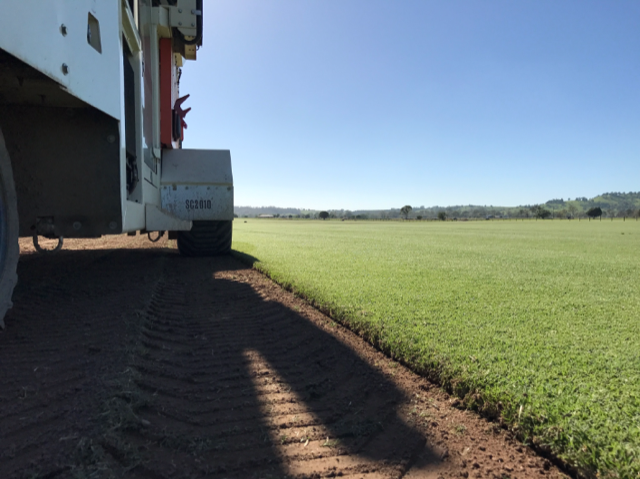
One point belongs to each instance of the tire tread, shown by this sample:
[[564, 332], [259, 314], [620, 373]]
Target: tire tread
[[206, 238]]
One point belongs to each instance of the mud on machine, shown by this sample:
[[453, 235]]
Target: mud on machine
[[91, 128]]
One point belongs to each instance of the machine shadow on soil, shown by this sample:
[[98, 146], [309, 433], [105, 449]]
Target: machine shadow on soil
[[138, 363]]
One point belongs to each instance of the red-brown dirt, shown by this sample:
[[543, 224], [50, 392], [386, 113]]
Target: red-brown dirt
[[123, 359]]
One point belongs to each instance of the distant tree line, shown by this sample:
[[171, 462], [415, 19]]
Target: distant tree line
[[608, 205]]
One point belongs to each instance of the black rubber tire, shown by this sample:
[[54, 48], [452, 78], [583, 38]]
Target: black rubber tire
[[9, 248], [206, 238]]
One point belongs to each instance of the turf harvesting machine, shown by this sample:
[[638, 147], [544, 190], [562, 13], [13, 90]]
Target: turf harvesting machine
[[91, 128]]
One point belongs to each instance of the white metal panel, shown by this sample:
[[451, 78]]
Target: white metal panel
[[198, 202], [133, 216], [158, 220], [31, 30], [196, 167], [197, 184]]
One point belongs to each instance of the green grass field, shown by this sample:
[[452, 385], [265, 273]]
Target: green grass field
[[536, 323]]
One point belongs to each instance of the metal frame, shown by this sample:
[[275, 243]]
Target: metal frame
[[71, 53]]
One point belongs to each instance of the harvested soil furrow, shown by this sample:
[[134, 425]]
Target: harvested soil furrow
[[141, 363], [244, 421], [61, 348]]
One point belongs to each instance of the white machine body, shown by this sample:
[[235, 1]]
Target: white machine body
[[90, 110], [197, 184]]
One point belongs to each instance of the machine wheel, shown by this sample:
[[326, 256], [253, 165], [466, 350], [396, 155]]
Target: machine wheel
[[9, 248], [206, 238]]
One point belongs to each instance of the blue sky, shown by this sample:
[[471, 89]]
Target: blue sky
[[371, 104]]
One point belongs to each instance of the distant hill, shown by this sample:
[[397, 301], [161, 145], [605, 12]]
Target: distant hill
[[617, 201], [612, 204]]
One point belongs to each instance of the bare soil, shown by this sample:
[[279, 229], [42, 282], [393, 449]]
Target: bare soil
[[123, 359]]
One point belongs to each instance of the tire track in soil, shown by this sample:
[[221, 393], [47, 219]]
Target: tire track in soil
[[61, 349], [236, 386], [141, 363]]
